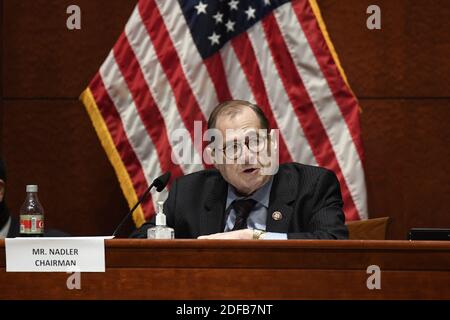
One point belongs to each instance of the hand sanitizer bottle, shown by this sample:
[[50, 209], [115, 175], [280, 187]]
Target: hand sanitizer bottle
[[161, 230]]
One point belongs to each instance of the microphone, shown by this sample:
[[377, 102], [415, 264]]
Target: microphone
[[160, 183]]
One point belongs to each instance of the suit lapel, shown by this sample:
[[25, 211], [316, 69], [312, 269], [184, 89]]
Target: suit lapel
[[213, 218], [282, 195]]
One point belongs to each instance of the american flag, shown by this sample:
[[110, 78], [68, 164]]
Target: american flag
[[176, 60]]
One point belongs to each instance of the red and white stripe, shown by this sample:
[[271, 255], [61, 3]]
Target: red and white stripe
[[158, 85], [154, 81]]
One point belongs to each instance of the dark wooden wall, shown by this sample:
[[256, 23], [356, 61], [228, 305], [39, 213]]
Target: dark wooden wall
[[399, 73]]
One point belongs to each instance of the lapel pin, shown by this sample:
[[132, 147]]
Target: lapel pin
[[277, 215]]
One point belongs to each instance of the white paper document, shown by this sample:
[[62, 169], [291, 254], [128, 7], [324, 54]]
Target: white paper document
[[69, 254]]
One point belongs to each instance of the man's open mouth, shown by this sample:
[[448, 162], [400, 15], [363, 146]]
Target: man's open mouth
[[250, 170]]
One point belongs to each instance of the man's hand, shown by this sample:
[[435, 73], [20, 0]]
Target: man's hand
[[244, 234]]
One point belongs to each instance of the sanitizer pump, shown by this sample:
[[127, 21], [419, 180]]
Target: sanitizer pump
[[160, 230]]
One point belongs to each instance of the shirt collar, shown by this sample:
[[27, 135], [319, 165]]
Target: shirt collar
[[262, 195]]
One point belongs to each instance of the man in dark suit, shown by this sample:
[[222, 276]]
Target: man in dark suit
[[240, 200], [10, 225]]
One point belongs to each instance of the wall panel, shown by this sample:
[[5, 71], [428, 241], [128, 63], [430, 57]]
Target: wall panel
[[53, 144]]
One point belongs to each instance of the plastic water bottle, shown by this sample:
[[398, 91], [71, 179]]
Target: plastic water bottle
[[160, 230], [31, 214]]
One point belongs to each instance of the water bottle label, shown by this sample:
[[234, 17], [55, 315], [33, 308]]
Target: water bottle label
[[31, 224]]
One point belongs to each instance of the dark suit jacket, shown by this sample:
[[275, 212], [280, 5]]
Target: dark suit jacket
[[308, 198]]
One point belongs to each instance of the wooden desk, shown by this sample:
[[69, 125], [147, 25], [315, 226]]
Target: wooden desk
[[217, 269]]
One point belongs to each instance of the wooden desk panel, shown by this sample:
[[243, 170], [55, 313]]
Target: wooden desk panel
[[217, 269]]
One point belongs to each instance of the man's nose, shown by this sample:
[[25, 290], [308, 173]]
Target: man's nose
[[248, 156]]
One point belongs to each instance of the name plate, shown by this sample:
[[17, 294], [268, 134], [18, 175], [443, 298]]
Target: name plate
[[77, 254]]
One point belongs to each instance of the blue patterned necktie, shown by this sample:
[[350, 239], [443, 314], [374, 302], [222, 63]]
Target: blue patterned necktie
[[242, 209]]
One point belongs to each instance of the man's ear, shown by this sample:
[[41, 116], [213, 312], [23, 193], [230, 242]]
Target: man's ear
[[273, 139], [2, 189]]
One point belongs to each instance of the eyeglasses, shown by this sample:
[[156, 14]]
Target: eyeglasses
[[233, 149]]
